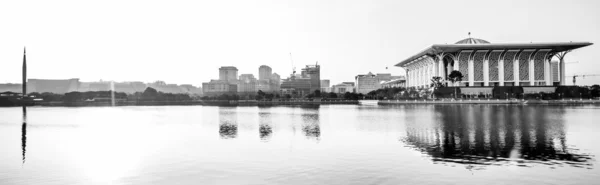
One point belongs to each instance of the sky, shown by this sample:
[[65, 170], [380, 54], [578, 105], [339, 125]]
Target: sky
[[185, 42]]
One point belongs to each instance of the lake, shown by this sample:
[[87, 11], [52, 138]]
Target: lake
[[327, 144]]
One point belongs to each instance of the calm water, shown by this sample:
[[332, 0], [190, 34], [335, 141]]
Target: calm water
[[337, 144]]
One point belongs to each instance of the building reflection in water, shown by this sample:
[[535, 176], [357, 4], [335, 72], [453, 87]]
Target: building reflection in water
[[228, 127], [495, 135], [24, 133], [310, 122], [265, 124]]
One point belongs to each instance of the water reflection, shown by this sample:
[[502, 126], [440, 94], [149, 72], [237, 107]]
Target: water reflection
[[24, 133], [228, 127], [310, 125], [264, 129], [496, 135]]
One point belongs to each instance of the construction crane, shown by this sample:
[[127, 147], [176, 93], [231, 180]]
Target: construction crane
[[582, 76], [293, 67]]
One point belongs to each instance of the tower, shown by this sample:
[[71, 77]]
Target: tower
[[24, 73], [264, 72]]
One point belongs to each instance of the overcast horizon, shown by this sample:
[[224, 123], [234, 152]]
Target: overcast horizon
[[185, 42]]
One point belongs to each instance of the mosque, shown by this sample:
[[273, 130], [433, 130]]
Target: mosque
[[485, 64]]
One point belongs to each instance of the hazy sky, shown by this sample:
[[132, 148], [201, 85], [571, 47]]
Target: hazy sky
[[185, 42]]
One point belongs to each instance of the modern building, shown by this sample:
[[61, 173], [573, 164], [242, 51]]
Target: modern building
[[275, 82], [298, 87], [303, 84], [228, 73], [490, 64], [325, 86], [247, 83], [370, 82], [54, 86], [247, 77], [264, 72], [275, 77], [313, 72], [218, 87], [325, 83], [17, 88], [136, 86]]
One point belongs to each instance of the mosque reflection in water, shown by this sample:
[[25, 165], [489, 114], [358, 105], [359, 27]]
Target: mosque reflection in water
[[495, 135]]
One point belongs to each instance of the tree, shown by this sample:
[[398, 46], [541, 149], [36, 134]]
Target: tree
[[150, 92], [332, 95], [437, 82], [595, 90], [261, 93], [317, 93], [455, 76]]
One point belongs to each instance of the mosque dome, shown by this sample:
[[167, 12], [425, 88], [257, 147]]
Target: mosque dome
[[472, 41]]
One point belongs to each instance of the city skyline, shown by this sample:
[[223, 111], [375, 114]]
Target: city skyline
[[184, 45]]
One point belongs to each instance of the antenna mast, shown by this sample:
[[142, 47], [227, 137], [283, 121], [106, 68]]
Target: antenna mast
[[293, 67]]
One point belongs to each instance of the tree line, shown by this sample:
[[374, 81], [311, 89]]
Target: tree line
[[150, 94]]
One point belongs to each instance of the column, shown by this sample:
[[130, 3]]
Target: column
[[429, 73], [411, 77], [531, 72], [562, 71], [418, 76], [424, 74], [516, 72], [435, 68], [414, 83], [547, 73], [456, 65], [501, 72], [442, 69], [406, 77], [471, 74], [486, 73]]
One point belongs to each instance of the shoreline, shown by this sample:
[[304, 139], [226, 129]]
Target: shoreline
[[189, 103], [490, 101], [312, 103]]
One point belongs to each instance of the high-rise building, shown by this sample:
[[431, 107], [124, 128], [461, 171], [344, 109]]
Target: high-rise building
[[247, 83], [275, 77], [228, 73], [325, 86], [314, 73], [275, 82], [247, 77], [264, 72], [300, 85], [325, 83]]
